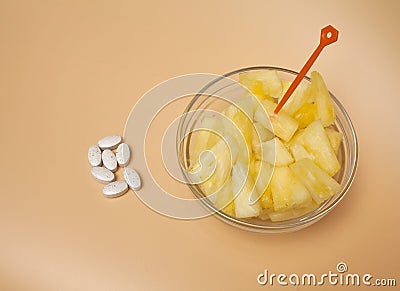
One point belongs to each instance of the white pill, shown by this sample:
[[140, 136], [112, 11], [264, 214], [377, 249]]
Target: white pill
[[102, 174], [132, 178], [110, 142], [123, 154], [94, 156], [115, 189], [109, 160]]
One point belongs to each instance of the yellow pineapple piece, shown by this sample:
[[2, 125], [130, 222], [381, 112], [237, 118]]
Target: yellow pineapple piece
[[297, 137], [287, 191], [306, 114], [274, 152], [315, 141], [291, 213], [318, 182], [299, 152], [335, 138], [222, 164], [263, 175], [241, 122], [266, 200], [323, 100], [259, 135], [205, 138], [300, 96], [253, 85], [245, 195], [247, 104], [281, 124], [224, 199], [285, 86], [266, 81]]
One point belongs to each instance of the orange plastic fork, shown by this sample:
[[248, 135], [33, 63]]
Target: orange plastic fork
[[328, 35]]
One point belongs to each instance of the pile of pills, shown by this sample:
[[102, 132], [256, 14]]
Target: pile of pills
[[105, 162]]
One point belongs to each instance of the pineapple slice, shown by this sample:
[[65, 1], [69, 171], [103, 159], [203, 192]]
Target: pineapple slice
[[319, 183], [224, 199], [266, 200], [205, 138], [263, 133], [274, 152], [287, 191], [266, 82], [297, 137], [299, 152], [263, 175], [315, 140], [245, 196], [259, 135], [335, 138], [300, 96], [242, 123], [222, 164], [285, 86], [291, 213], [281, 124], [253, 85], [247, 105], [306, 114], [323, 100]]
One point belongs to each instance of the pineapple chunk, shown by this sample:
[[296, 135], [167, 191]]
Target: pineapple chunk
[[247, 105], [274, 152], [263, 177], [240, 127], [241, 121], [205, 138], [260, 134], [300, 96], [222, 164], [306, 114], [262, 173], [266, 200], [281, 124], [224, 199], [297, 137], [323, 100], [253, 85], [285, 86], [245, 196], [263, 132], [335, 138], [316, 141], [319, 183], [265, 82], [291, 213], [287, 191], [299, 152]]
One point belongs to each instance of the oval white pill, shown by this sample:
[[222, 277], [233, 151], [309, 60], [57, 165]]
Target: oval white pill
[[94, 156], [123, 154], [115, 189], [110, 142], [132, 178], [109, 160], [102, 174]]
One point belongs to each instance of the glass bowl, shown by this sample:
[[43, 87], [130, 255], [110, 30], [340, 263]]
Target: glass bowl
[[203, 101]]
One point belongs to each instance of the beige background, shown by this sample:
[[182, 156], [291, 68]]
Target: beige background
[[70, 72]]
